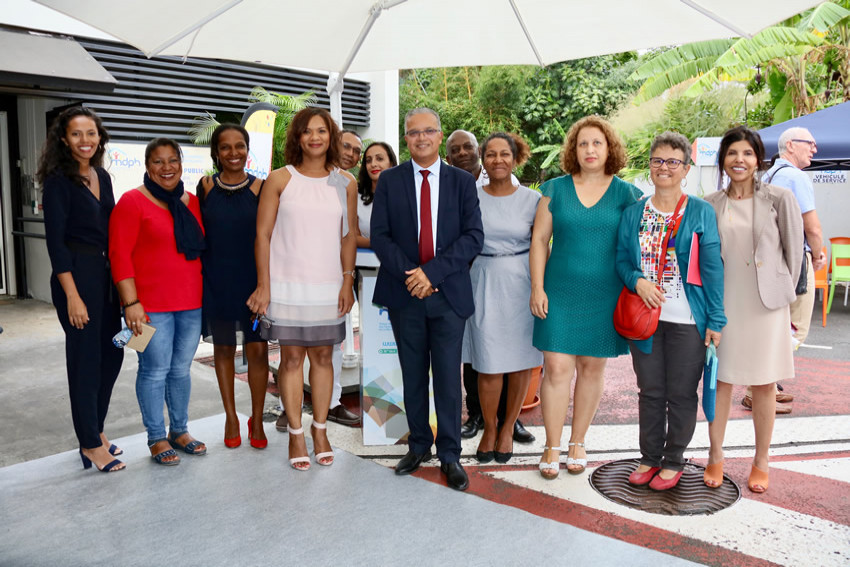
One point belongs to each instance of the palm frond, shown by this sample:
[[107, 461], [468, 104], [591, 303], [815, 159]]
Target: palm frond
[[771, 43], [700, 50], [287, 103], [657, 84], [202, 129], [785, 108], [824, 17]]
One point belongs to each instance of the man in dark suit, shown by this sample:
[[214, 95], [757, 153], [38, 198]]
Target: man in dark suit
[[426, 229]]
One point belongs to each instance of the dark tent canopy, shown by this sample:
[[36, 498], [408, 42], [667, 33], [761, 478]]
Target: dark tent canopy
[[831, 130]]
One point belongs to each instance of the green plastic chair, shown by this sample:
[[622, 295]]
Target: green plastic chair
[[839, 273]]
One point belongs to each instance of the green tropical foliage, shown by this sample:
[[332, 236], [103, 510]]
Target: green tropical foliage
[[809, 50], [705, 115], [538, 103]]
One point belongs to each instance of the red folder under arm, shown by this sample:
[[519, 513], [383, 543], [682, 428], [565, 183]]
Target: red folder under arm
[[694, 277]]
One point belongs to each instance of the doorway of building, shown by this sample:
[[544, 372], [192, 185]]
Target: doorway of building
[[6, 280]]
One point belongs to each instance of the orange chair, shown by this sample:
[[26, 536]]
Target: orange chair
[[822, 283]]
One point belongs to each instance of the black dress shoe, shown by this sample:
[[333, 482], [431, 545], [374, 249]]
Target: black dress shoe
[[410, 462], [473, 425], [485, 457], [502, 458], [455, 476], [521, 434], [343, 416]]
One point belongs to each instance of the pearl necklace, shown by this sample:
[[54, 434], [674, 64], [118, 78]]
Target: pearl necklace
[[222, 185]]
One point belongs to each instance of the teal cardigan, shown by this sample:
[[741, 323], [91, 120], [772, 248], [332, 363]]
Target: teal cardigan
[[705, 301]]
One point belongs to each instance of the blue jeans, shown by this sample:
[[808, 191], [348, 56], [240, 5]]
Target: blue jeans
[[164, 371]]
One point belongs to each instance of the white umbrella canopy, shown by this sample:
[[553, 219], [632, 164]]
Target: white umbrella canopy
[[323, 34], [343, 36]]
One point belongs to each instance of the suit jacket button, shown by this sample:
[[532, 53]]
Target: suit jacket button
[[758, 265]]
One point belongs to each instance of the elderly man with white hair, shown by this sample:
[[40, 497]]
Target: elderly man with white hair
[[796, 148]]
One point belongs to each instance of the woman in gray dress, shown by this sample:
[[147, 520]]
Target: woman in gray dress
[[497, 339]]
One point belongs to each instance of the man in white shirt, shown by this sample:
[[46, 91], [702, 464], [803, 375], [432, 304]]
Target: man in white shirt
[[426, 230]]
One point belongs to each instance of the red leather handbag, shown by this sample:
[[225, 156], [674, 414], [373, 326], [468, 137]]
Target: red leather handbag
[[632, 318]]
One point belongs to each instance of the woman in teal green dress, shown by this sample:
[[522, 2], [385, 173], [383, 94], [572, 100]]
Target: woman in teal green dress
[[574, 290]]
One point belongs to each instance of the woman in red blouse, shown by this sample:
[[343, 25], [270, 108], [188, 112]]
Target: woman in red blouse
[[155, 243]]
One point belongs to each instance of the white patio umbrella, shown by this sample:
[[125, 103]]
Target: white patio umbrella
[[341, 36]]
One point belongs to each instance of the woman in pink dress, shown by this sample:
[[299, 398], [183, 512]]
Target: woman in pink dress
[[305, 252]]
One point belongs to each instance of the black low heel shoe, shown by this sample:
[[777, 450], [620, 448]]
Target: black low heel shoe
[[502, 457], [485, 456], [110, 466]]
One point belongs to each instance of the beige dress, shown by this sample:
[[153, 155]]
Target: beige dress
[[756, 346]]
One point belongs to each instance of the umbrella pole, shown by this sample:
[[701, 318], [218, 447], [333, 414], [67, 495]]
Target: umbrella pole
[[334, 88], [335, 79]]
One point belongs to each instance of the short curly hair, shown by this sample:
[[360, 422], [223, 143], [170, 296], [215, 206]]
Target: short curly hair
[[293, 153], [616, 149], [519, 147], [673, 140]]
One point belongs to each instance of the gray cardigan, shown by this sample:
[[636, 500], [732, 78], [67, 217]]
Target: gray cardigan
[[777, 241]]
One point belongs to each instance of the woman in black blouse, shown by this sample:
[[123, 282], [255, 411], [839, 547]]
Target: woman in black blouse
[[77, 201]]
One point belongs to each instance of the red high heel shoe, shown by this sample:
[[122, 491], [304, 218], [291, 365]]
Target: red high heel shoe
[[233, 442], [255, 443]]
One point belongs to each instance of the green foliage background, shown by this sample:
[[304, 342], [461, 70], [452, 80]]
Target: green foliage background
[[537, 103]]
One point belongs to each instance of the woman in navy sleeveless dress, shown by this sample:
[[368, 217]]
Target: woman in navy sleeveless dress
[[229, 202]]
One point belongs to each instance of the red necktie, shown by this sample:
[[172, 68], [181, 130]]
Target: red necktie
[[426, 234]]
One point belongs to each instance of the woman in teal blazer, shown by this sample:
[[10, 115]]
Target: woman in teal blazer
[[691, 301]]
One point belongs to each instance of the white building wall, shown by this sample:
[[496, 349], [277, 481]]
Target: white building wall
[[383, 125]]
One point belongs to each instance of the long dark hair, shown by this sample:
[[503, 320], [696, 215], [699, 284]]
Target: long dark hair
[[738, 134], [56, 156], [364, 182], [220, 129]]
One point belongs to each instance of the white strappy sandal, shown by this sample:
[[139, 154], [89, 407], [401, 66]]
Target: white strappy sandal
[[322, 458], [581, 463], [545, 466], [294, 461]]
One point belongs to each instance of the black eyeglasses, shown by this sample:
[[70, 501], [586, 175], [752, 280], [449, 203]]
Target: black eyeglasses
[[426, 132], [672, 163], [811, 143]]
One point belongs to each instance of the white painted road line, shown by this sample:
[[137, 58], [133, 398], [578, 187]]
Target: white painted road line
[[792, 435], [785, 537], [835, 469]]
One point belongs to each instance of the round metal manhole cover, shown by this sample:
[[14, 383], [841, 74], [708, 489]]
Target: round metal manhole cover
[[688, 498]]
